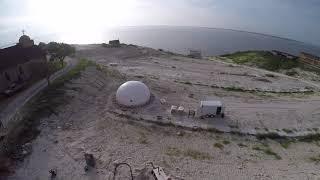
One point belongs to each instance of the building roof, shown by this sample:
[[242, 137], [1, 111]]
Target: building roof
[[210, 103], [114, 42], [14, 55], [24, 38]]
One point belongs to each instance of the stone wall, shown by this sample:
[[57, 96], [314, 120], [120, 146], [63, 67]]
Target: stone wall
[[35, 69]]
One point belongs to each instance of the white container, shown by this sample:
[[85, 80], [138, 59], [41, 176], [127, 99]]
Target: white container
[[209, 109]]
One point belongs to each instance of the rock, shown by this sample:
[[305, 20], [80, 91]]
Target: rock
[[90, 161], [24, 152], [180, 133], [113, 64], [163, 101], [86, 168], [53, 173]]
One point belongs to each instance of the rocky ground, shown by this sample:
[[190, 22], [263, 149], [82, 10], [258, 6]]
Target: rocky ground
[[92, 122]]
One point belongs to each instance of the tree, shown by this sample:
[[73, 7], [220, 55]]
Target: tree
[[59, 51], [42, 45]]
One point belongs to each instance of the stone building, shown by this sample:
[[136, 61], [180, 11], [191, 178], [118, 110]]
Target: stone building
[[114, 43], [21, 63], [195, 54]]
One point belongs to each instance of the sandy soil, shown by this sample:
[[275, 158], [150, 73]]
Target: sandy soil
[[92, 122]]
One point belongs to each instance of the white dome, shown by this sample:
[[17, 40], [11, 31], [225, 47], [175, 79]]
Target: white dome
[[133, 93]]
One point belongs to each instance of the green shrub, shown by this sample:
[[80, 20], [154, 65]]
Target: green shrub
[[218, 145]]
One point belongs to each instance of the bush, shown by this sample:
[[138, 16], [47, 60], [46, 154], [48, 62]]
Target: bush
[[218, 145], [291, 73]]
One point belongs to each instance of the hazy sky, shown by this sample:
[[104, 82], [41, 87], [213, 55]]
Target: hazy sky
[[295, 19]]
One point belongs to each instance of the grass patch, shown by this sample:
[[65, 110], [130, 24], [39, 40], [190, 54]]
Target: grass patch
[[285, 144], [315, 159], [310, 138], [56, 66], [226, 142], [233, 88], [267, 150], [262, 59], [270, 135], [194, 154], [218, 145], [289, 131], [291, 73]]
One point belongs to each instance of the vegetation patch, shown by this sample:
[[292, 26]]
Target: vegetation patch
[[310, 138], [315, 159], [226, 142], [218, 145], [285, 144], [187, 82], [269, 135], [289, 131], [234, 88], [267, 150], [291, 73], [263, 59]]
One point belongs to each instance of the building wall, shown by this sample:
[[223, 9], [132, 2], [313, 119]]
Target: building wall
[[4, 83], [34, 69]]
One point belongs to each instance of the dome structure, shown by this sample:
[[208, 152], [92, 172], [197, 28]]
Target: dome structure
[[133, 93], [24, 38], [25, 41]]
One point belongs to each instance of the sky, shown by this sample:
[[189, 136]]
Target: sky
[[293, 19]]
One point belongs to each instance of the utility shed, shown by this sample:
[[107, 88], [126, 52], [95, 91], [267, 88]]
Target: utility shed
[[211, 109], [195, 54], [114, 43]]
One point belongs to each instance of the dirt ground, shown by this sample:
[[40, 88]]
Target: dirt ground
[[93, 122]]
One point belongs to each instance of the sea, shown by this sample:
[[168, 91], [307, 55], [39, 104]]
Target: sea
[[210, 41]]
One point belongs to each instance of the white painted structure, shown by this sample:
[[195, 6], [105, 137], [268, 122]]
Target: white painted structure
[[133, 93], [211, 109]]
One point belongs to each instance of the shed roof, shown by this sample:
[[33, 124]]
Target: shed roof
[[210, 103]]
